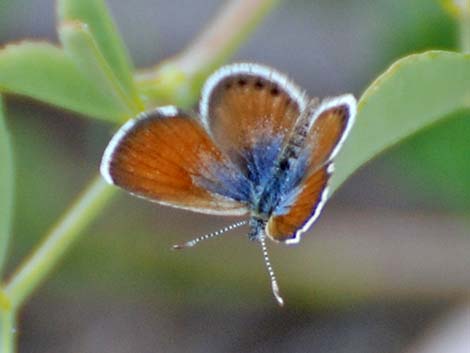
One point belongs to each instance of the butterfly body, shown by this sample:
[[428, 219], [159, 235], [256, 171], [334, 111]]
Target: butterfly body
[[280, 186], [259, 147]]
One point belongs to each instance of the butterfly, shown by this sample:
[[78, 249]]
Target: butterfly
[[259, 147]]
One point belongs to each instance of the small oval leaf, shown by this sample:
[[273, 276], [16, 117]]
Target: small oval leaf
[[95, 14], [82, 49], [43, 71]]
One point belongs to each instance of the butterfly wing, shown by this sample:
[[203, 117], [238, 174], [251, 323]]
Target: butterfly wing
[[304, 205], [329, 127], [249, 110], [298, 210], [167, 156]]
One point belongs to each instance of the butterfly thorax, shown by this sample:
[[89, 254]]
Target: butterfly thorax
[[286, 175]]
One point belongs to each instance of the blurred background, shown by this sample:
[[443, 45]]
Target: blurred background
[[385, 269]]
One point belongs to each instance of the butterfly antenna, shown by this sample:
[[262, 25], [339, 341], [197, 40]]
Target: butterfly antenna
[[269, 267], [195, 241]]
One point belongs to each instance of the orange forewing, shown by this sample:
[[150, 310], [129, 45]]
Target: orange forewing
[[326, 132], [160, 156], [304, 209], [248, 108]]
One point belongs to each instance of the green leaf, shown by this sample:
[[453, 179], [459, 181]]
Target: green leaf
[[437, 163], [6, 187], [43, 71], [80, 46], [415, 92], [95, 14]]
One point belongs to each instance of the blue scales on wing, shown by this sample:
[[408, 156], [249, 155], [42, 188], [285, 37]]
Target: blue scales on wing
[[250, 116]]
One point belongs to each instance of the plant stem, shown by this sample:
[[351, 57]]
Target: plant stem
[[7, 331], [6, 188], [180, 78], [36, 267], [223, 35]]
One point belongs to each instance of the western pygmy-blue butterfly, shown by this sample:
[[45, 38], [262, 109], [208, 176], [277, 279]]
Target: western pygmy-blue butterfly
[[259, 147]]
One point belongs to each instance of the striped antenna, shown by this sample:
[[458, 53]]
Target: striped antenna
[[272, 276], [195, 241]]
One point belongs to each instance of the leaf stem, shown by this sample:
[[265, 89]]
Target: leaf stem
[[6, 188], [36, 267], [7, 331]]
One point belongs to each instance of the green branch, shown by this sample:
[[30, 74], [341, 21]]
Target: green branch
[[36, 268], [6, 187], [7, 331], [178, 80]]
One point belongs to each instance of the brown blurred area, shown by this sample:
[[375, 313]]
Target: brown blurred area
[[386, 268]]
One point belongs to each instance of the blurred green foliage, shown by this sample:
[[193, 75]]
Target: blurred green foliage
[[436, 163], [45, 167]]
